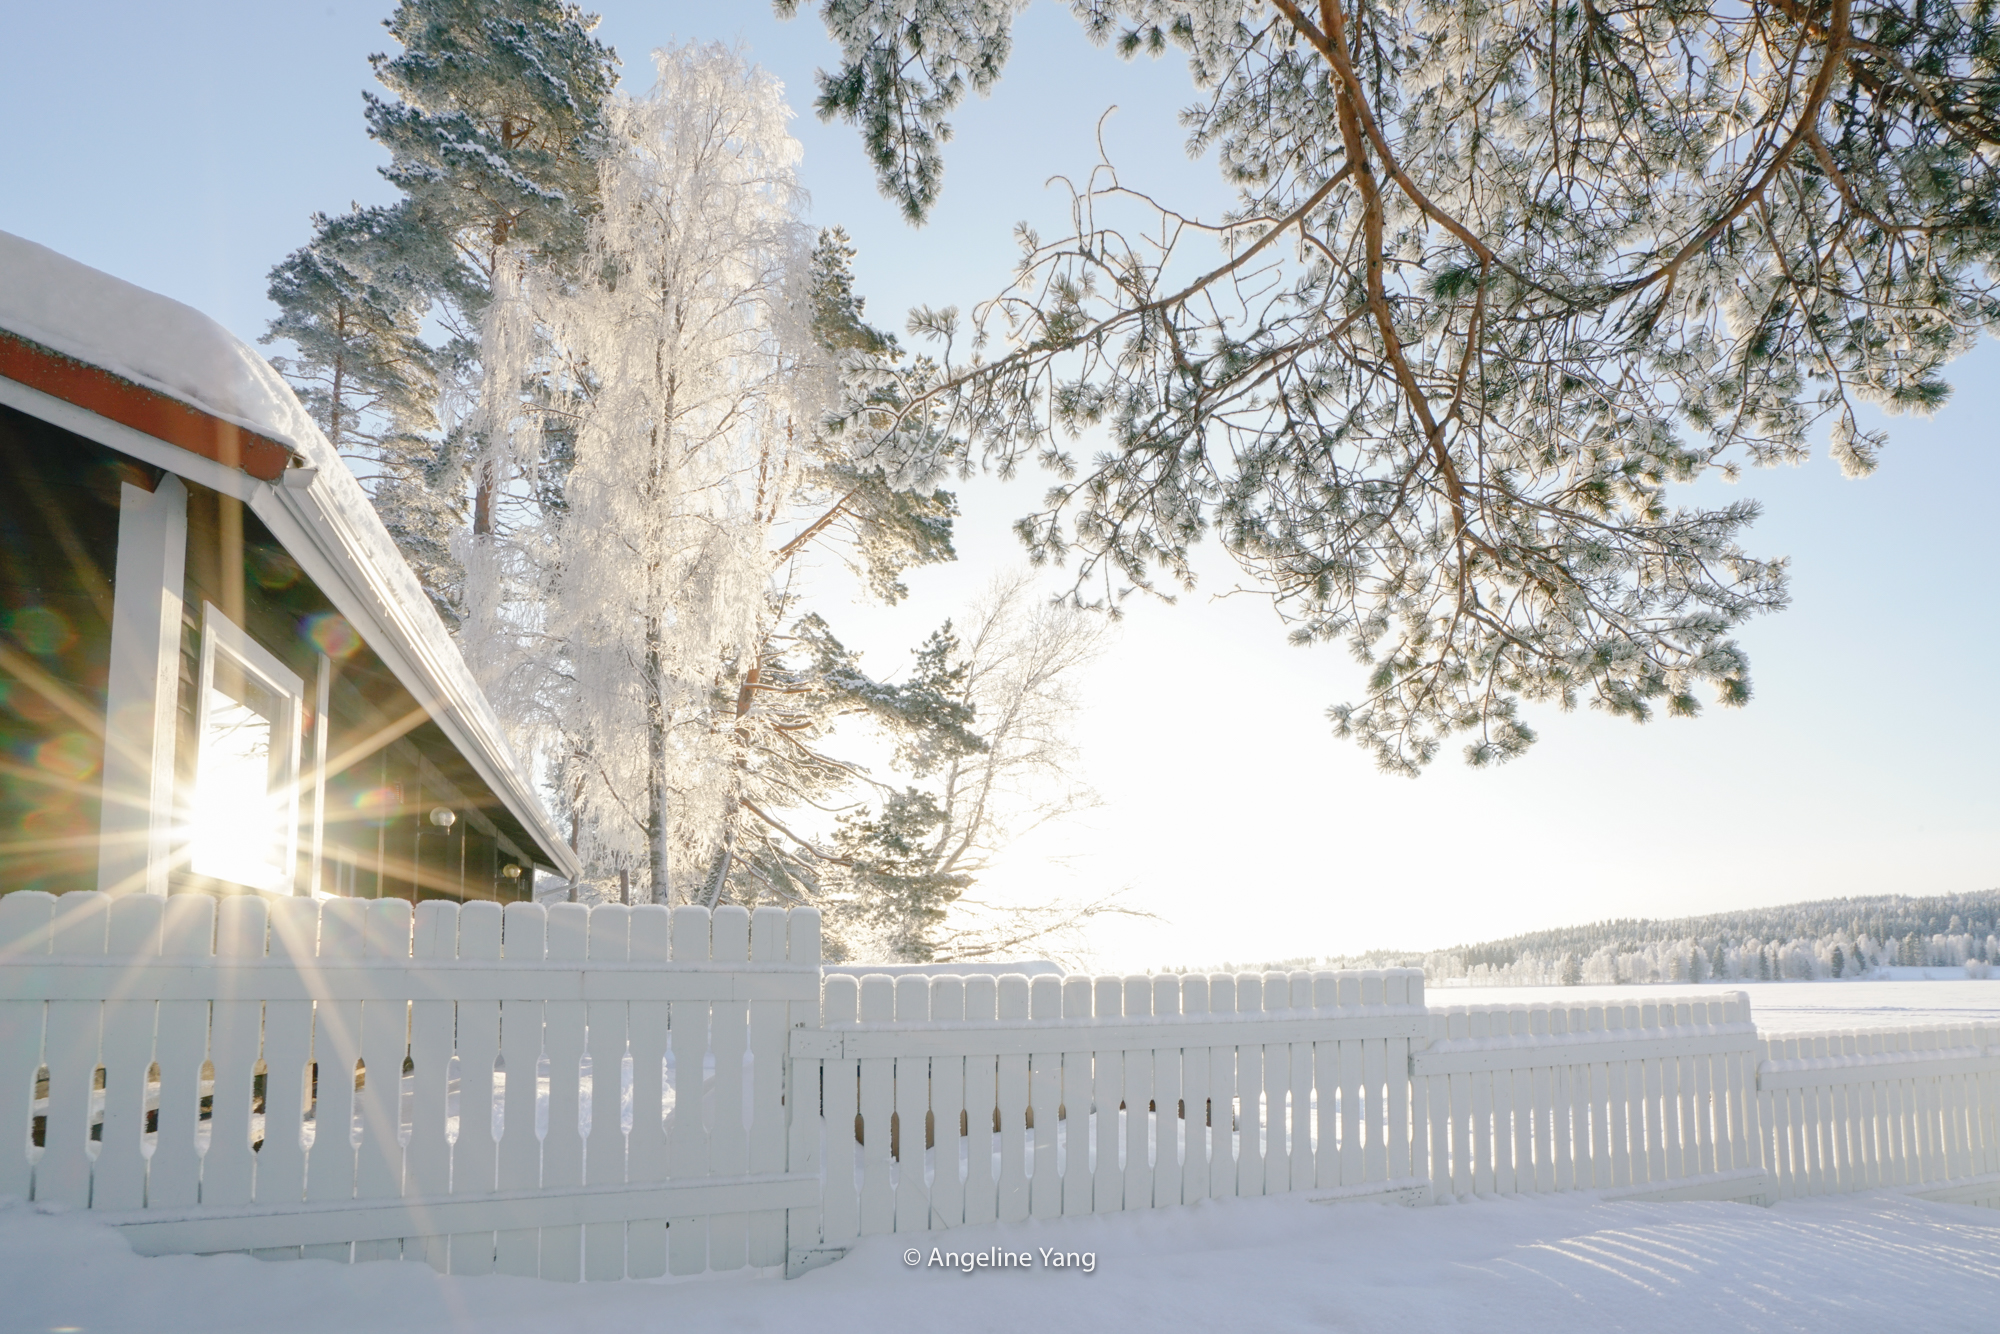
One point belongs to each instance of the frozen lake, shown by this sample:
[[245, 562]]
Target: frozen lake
[[1783, 1007]]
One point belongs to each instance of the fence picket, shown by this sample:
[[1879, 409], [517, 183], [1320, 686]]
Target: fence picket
[[878, 1105], [1399, 985], [1222, 1094], [605, 1043], [1250, 1118], [1137, 1100], [1012, 1187], [1196, 1139], [1485, 1121], [806, 1125], [63, 1175], [1166, 1098], [240, 1164], [729, 1140], [1569, 1115], [982, 1109], [1513, 1117], [1044, 1100], [948, 1111], [1535, 1143], [475, 1157], [427, 1159], [173, 1181], [1436, 1149], [385, 1029], [687, 1132], [331, 1157], [119, 1174], [766, 1091], [523, 936], [840, 1194], [912, 1102], [649, 940], [25, 920], [289, 1075], [1277, 1066]]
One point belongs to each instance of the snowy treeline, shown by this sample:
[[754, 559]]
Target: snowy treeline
[[1692, 959], [1834, 938]]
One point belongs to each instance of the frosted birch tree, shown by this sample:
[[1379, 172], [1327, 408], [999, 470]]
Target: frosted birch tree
[[1498, 278], [677, 346], [698, 717]]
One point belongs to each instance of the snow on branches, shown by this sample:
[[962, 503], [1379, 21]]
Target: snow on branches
[[1498, 277]]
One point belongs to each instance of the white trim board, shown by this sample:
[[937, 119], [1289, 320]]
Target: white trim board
[[135, 827]]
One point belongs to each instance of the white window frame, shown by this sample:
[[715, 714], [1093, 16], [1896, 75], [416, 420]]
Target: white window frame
[[219, 634]]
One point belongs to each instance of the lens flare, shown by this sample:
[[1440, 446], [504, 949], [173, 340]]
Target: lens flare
[[376, 803], [40, 630], [332, 635], [70, 755]]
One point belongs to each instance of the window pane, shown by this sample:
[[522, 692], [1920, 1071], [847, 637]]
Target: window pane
[[240, 807]]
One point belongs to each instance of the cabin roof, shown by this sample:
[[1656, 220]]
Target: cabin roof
[[149, 371]]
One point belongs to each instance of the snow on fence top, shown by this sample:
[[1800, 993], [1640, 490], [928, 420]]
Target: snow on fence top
[[151, 340]]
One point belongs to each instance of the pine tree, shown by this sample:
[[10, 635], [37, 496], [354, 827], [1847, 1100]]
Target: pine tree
[[1839, 961], [1496, 278], [352, 302], [493, 140]]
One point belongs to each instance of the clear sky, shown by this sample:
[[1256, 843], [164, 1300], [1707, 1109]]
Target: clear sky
[[182, 147]]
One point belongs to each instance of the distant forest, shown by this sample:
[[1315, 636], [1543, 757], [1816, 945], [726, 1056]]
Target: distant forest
[[1828, 938]]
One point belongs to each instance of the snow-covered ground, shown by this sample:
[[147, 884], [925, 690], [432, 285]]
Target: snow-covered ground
[[1863, 1263], [1786, 1007]]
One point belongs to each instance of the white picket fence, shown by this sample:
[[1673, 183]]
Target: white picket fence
[[1915, 1110], [602, 1093], [355, 1080], [974, 1098], [1653, 1099]]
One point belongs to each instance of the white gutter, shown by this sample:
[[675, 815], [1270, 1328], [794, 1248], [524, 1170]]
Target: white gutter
[[395, 617]]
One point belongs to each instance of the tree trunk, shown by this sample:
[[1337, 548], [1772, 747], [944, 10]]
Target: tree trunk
[[718, 874], [482, 501], [656, 767]]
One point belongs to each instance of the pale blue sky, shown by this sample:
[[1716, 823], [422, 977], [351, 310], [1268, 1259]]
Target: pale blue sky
[[181, 147]]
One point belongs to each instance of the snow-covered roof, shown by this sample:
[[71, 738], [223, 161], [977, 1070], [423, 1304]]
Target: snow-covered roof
[[172, 350], [150, 340]]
